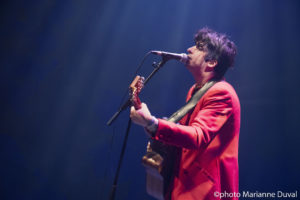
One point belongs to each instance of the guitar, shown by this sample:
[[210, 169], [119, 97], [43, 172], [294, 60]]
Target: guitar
[[159, 159]]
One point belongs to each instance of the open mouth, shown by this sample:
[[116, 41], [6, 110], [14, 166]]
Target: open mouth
[[189, 58]]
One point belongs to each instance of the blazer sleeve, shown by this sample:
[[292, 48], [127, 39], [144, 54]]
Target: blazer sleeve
[[209, 119]]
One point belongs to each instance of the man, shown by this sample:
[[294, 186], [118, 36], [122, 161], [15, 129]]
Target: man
[[208, 135]]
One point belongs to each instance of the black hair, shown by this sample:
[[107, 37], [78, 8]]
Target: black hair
[[218, 47]]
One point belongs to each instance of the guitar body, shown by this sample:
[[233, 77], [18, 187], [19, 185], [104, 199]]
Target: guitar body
[[159, 162]]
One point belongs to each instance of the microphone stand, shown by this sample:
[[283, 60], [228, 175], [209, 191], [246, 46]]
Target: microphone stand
[[113, 118], [128, 103]]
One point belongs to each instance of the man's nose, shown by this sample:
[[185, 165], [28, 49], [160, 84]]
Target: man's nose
[[190, 50]]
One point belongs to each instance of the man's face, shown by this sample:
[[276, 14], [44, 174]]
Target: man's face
[[196, 59]]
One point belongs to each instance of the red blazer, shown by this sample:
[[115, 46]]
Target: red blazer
[[208, 137]]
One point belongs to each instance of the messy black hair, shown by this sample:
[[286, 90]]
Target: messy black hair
[[218, 47]]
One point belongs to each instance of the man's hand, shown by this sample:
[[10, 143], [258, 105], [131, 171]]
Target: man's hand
[[141, 116]]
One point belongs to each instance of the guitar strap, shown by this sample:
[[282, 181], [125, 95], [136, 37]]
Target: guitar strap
[[159, 159], [179, 114]]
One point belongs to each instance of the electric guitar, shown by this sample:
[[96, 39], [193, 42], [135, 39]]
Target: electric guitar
[[160, 158]]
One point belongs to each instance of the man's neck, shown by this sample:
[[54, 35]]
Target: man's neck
[[202, 80]]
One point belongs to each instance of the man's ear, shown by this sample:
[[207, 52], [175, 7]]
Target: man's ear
[[212, 63]]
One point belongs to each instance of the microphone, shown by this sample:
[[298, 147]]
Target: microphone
[[182, 57]]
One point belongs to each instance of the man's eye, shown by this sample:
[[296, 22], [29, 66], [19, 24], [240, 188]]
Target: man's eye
[[200, 45]]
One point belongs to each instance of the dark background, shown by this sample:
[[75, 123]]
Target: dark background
[[65, 65]]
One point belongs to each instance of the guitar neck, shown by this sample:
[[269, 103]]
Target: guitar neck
[[137, 104], [135, 88]]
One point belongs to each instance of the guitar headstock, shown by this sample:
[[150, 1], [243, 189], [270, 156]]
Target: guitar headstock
[[134, 90]]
